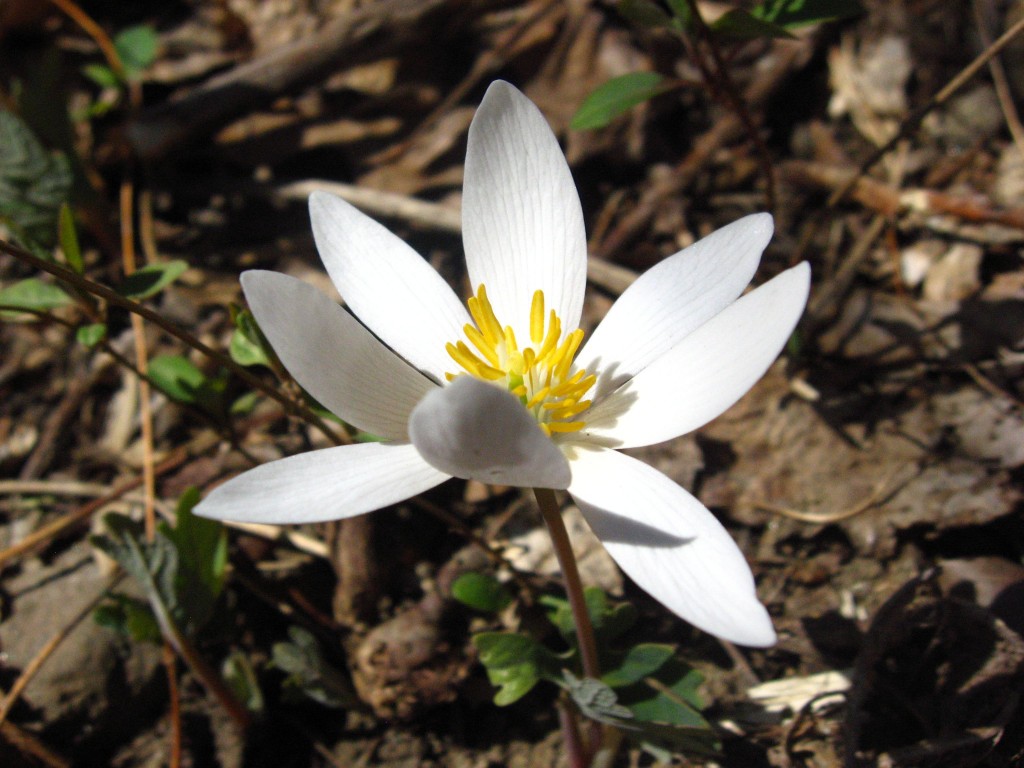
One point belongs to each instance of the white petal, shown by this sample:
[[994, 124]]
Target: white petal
[[707, 371], [670, 545], [672, 299], [476, 430], [522, 225], [388, 286], [333, 357], [329, 484]]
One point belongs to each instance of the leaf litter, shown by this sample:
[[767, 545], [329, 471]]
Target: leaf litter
[[873, 478]]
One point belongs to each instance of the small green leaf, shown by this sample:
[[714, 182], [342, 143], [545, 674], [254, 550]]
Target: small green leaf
[[151, 279], [245, 404], [515, 663], [102, 75], [248, 345], [153, 564], [69, 239], [128, 617], [609, 620], [177, 377], [241, 678], [32, 293], [202, 549], [791, 14], [180, 380], [481, 591], [739, 25], [675, 698], [91, 335], [615, 97], [137, 47], [639, 662], [309, 673], [33, 184], [595, 699], [645, 13]]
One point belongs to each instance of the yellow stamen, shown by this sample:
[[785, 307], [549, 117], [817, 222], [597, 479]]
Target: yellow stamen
[[539, 374]]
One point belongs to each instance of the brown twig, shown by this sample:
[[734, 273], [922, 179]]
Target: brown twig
[[141, 361], [174, 694], [29, 744], [95, 31]]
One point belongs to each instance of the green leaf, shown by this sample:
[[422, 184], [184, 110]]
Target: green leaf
[[151, 279], [91, 335], [32, 293], [202, 555], [180, 380], [238, 673], [310, 674], [663, 712], [245, 404], [33, 184], [673, 699], [102, 75], [615, 97], [515, 663], [481, 591], [639, 662], [738, 25], [645, 13], [128, 617], [177, 377], [248, 345], [69, 239], [137, 47], [609, 621], [595, 699], [153, 564], [791, 14]]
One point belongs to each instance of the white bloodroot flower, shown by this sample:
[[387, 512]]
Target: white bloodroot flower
[[507, 392]]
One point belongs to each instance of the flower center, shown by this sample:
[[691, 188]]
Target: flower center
[[539, 375]]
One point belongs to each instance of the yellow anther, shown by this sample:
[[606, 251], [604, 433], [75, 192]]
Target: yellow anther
[[537, 317], [510, 339]]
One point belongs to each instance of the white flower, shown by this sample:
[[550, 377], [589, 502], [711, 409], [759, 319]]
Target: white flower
[[499, 395]]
